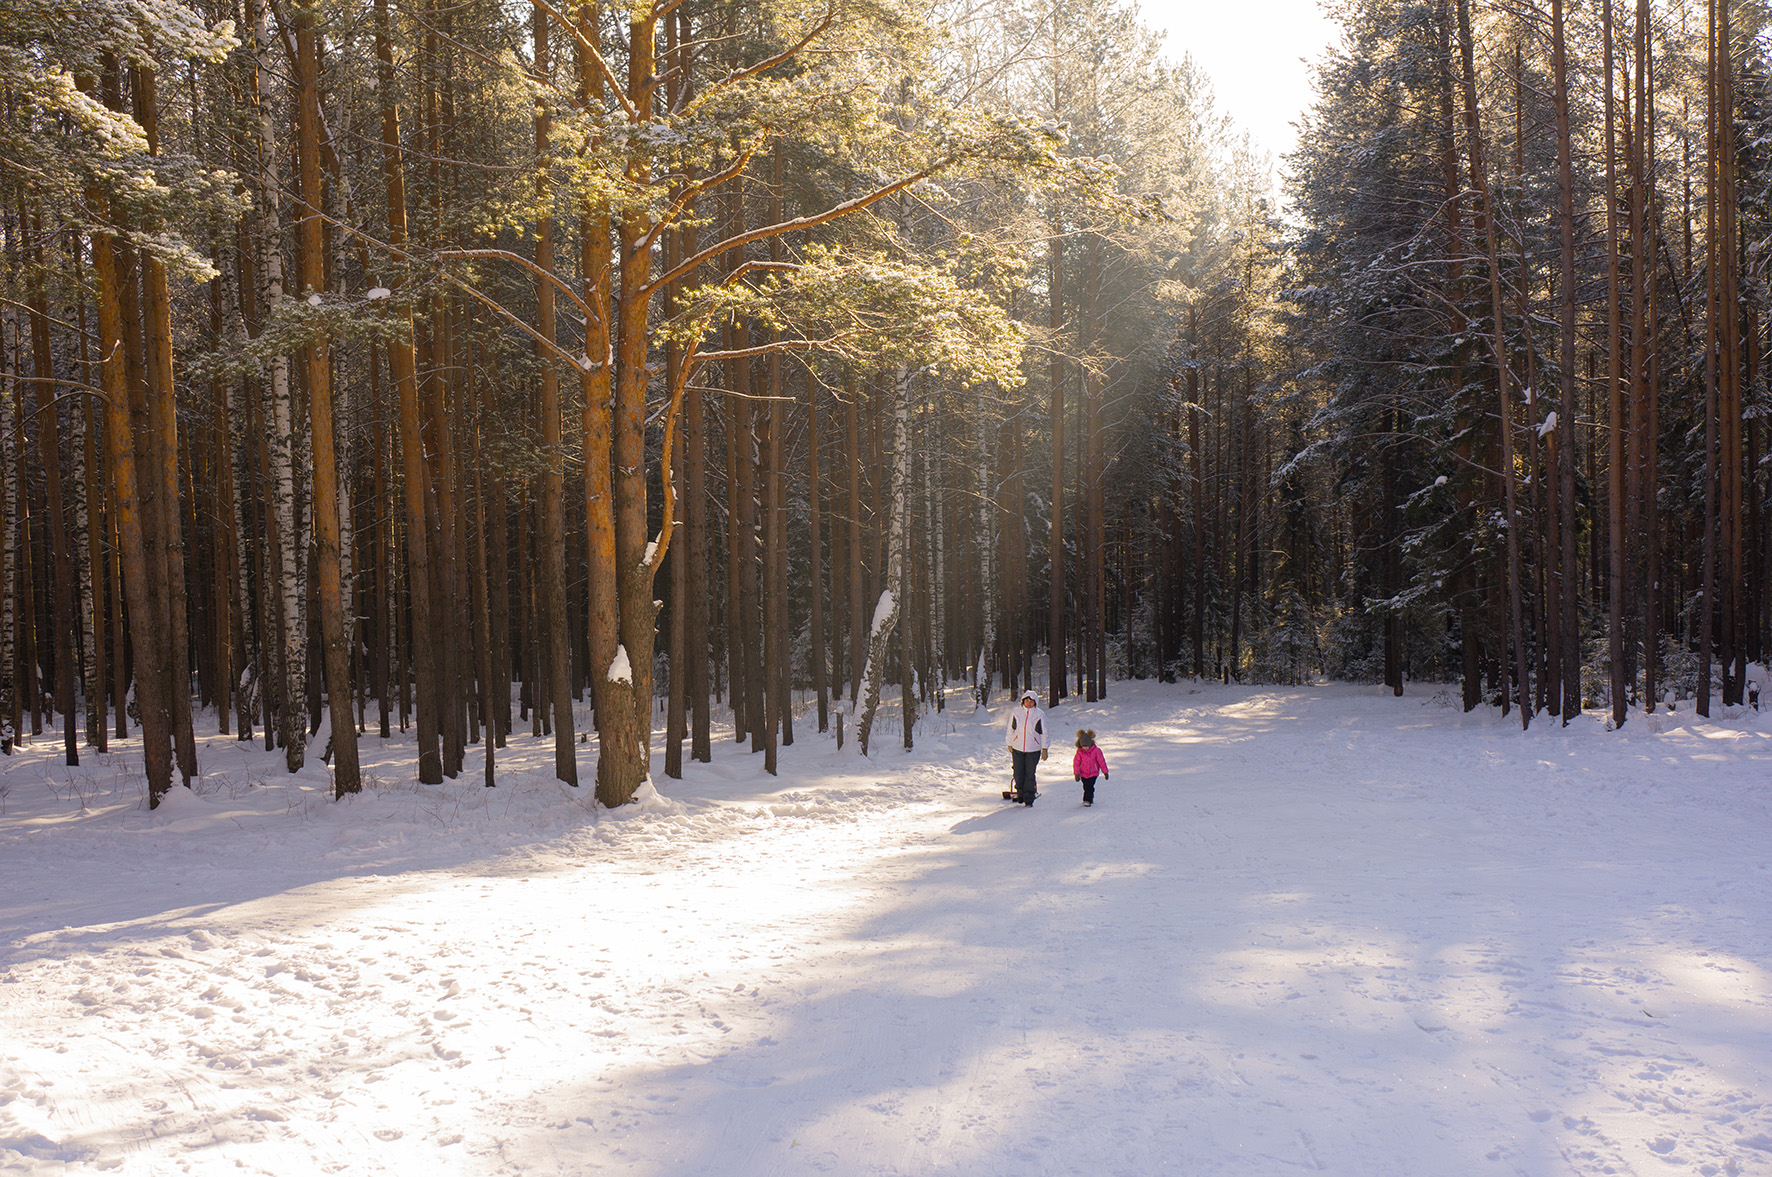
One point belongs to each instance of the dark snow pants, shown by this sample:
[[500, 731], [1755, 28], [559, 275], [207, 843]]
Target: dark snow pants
[[1025, 764], [1089, 790]]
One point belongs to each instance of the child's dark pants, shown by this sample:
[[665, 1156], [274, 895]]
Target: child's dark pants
[[1089, 790]]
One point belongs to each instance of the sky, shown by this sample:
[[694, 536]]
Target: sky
[[1252, 50]]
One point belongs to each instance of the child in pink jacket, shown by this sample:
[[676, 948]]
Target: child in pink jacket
[[1088, 764]]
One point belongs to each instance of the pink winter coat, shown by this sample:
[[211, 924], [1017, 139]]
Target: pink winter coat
[[1089, 762]]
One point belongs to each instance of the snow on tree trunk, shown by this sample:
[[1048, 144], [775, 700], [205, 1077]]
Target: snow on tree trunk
[[887, 609]]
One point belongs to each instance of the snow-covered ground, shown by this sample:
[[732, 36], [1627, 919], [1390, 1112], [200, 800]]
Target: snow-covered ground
[[1301, 929]]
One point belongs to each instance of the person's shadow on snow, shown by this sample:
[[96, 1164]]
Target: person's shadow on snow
[[996, 819]]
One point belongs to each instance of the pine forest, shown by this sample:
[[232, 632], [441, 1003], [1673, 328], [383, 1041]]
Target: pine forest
[[435, 366]]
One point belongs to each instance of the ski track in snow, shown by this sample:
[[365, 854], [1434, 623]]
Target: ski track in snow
[[1302, 930]]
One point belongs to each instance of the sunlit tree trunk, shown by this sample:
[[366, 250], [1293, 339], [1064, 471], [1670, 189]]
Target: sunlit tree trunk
[[317, 357], [889, 606], [815, 522], [287, 551], [156, 725], [857, 593], [403, 369], [161, 441], [988, 604], [611, 683]]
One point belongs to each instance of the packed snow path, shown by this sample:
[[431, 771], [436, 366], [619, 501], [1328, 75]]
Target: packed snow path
[[1318, 929]]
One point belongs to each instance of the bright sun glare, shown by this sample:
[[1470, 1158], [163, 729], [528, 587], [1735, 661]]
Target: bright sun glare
[[1252, 51]]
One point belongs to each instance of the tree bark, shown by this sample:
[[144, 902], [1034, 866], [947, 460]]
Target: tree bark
[[815, 524], [49, 450], [553, 477], [346, 777], [1570, 625], [1504, 397], [403, 369], [155, 719], [889, 606], [1617, 422], [1055, 653]]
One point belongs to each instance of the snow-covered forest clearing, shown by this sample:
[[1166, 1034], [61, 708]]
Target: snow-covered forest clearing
[[520, 521], [1313, 929]]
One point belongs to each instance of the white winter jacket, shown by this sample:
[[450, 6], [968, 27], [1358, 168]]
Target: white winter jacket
[[1027, 729]]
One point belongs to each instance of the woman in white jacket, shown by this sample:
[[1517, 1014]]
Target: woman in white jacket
[[1027, 742]]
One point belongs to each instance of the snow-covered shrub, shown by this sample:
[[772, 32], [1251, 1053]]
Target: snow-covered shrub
[[1596, 672], [1353, 646], [1354, 651], [1678, 672], [1288, 649]]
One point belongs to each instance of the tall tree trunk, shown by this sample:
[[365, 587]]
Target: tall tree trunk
[[749, 556], [1055, 640], [772, 589], [483, 624], [936, 569], [553, 476], [815, 521], [150, 674], [285, 552], [1713, 314], [1651, 386], [162, 442], [1729, 423], [698, 584], [1617, 422], [26, 687], [988, 605], [221, 488], [1094, 462], [317, 356], [97, 519], [1504, 397], [1571, 626], [1197, 479], [10, 663], [857, 593], [1637, 390], [628, 757], [403, 369], [889, 606], [612, 679], [56, 520], [776, 700], [699, 588], [677, 717], [737, 419]]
